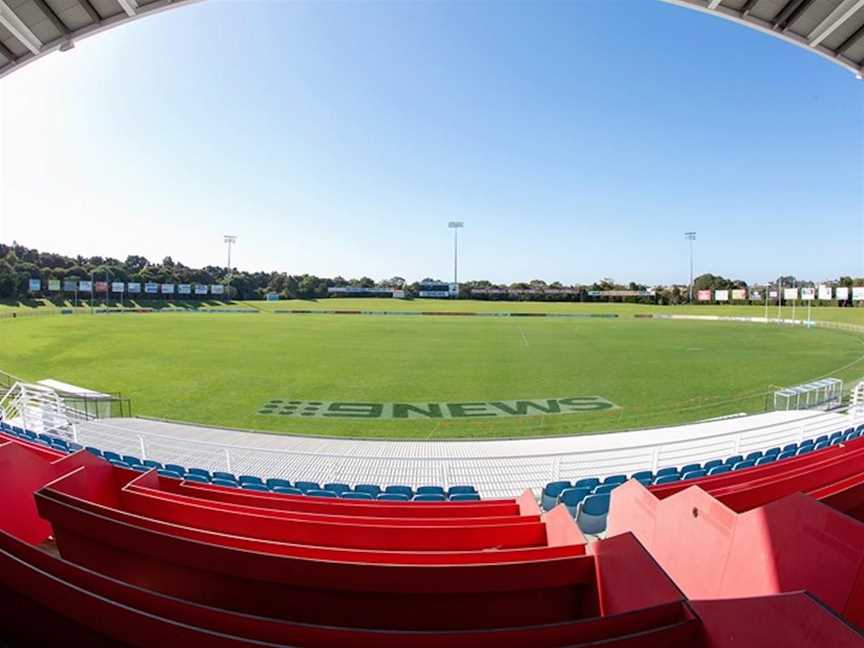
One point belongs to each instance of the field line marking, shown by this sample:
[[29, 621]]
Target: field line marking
[[524, 339]]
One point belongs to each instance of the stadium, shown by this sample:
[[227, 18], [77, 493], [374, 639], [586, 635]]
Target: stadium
[[193, 455]]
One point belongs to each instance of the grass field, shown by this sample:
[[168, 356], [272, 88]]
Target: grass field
[[222, 369]]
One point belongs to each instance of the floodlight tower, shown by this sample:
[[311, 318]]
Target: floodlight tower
[[456, 226], [230, 240], [691, 237]]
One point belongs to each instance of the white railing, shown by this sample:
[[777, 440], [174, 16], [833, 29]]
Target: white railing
[[483, 464], [40, 410]]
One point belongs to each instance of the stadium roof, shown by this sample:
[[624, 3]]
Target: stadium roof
[[833, 29], [32, 28]]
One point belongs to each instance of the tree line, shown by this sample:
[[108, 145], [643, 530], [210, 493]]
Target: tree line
[[19, 264]]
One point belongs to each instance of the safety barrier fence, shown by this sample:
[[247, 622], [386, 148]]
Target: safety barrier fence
[[495, 472]]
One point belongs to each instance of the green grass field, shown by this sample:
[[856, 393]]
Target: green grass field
[[222, 369]]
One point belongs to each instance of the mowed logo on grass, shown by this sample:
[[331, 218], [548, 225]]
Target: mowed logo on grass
[[457, 410]]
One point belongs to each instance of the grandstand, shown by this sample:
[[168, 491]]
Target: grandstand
[[116, 552], [745, 531]]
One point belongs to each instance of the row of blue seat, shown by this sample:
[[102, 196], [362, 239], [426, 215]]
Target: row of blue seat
[[395, 493], [337, 490], [554, 492], [277, 485], [588, 499], [47, 440]]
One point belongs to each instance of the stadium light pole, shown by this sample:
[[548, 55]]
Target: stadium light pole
[[230, 240], [691, 237], [456, 226]]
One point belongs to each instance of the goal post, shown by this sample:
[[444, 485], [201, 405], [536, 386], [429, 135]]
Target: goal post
[[822, 394]]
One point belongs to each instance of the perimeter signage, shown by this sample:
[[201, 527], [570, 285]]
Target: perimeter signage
[[458, 410]]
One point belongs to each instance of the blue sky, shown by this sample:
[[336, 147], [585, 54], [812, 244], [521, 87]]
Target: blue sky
[[576, 140]]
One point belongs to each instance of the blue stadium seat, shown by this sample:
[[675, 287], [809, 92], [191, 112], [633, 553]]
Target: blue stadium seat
[[859, 429], [393, 497], [252, 479], [430, 490], [804, 450], [75, 447], [140, 468], [665, 472], [586, 482], [112, 456], [175, 468], [370, 489], [614, 480], [320, 493], [227, 483], [198, 471], [719, 470], [791, 447], [753, 456], [643, 475], [252, 486], [809, 443], [836, 435], [773, 452], [356, 496], [462, 489], [119, 464], [400, 490], [173, 474], [131, 460], [46, 437], [837, 441], [224, 475], [765, 460], [591, 517], [284, 490], [549, 496], [712, 464], [336, 487], [666, 479], [465, 497], [605, 489], [786, 454], [820, 439], [731, 461], [741, 465], [273, 482], [693, 474], [430, 497], [94, 451], [821, 445], [572, 497], [851, 436], [307, 485], [151, 464], [646, 481], [693, 467], [195, 477]]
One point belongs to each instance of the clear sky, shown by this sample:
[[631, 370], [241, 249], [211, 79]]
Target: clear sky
[[577, 140]]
